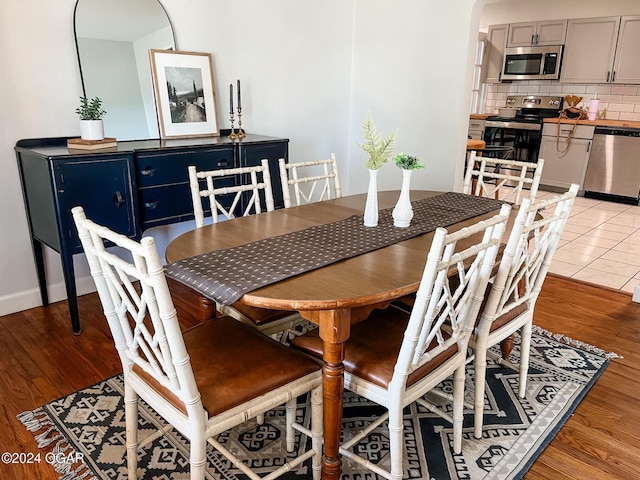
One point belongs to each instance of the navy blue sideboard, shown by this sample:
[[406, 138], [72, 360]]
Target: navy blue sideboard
[[129, 188]]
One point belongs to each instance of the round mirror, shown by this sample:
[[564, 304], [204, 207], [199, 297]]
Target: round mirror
[[113, 39]]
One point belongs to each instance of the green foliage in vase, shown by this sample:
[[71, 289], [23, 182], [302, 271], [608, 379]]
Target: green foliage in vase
[[90, 109], [378, 148], [407, 162]]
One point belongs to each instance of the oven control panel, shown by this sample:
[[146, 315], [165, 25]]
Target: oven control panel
[[534, 101]]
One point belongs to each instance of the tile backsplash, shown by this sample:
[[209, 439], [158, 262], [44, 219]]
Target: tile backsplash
[[621, 101]]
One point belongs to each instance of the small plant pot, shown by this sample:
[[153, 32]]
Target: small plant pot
[[91, 129]]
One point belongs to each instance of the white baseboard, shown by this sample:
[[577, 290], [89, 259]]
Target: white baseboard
[[31, 298], [636, 294]]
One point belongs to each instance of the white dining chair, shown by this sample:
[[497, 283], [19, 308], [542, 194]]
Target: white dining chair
[[204, 185], [210, 378], [505, 179], [321, 174], [512, 294], [246, 194], [394, 358]]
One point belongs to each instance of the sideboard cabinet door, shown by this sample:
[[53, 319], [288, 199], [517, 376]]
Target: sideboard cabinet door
[[104, 187], [252, 154]]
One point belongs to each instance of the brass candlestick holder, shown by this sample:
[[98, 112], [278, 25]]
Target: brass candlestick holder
[[233, 135], [240, 134]]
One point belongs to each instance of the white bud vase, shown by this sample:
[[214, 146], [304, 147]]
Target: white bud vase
[[402, 212], [371, 207]]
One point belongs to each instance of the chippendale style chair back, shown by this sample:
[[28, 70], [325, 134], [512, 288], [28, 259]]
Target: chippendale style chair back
[[212, 192], [267, 321], [506, 179], [325, 181], [394, 359], [515, 288], [204, 381]]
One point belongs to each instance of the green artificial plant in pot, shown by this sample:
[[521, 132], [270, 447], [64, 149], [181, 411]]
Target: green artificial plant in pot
[[407, 162], [91, 113]]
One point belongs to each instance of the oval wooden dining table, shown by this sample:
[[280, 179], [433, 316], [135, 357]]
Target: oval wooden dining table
[[334, 296]]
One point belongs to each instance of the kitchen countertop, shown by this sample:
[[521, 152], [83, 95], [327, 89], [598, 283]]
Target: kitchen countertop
[[476, 144], [597, 123]]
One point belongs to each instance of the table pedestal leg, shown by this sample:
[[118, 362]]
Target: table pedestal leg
[[335, 327], [333, 388]]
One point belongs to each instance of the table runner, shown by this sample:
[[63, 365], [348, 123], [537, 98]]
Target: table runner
[[225, 275]]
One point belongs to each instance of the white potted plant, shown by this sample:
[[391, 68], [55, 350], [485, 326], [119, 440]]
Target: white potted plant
[[402, 212], [379, 150], [91, 113]]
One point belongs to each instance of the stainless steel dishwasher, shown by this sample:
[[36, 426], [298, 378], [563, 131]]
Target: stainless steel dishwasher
[[614, 163]]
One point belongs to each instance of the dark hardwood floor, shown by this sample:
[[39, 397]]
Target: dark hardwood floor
[[40, 360]]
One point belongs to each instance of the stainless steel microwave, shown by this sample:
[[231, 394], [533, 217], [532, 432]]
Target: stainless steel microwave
[[531, 63]]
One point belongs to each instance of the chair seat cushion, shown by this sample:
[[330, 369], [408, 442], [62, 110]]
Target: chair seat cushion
[[234, 363], [508, 316], [373, 347], [406, 303]]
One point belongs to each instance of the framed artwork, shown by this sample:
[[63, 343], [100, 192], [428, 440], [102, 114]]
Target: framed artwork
[[184, 91]]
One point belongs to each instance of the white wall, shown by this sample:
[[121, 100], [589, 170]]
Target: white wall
[[40, 87], [310, 72]]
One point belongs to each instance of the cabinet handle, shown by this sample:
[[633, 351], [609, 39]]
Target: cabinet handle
[[588, 147], [118, 199], [533, 39], [223, 163], [151, 204], [147, 171], [613, 76], [608, 75]]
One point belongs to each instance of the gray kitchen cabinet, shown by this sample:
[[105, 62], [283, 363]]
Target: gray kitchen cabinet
[[626, 66], [565, 164], [494, 52], [476, 129], [590, 50], [526, 34]]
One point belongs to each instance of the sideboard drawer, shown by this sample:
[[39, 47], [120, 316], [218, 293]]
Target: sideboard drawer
[[167, 168], [166, 202], [172, 203]]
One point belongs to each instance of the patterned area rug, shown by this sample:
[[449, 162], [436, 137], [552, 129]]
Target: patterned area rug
[[89, 426]]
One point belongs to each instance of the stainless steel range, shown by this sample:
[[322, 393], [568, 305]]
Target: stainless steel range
[[522, 132]]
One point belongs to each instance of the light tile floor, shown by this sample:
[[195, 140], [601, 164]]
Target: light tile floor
[[600, 244]]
